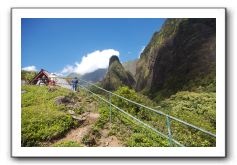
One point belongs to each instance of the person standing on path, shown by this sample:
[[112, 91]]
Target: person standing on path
[[74, 84]]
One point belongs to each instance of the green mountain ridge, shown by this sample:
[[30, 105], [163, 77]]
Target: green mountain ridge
[[117, 76], [181, 56]]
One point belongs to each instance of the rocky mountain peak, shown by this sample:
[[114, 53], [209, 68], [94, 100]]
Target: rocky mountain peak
[[113, 59], [117, 76]]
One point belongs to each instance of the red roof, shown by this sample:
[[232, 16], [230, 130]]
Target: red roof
[[39, 75]]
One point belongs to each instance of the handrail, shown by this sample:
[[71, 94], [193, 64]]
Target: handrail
[[159, 112], [141, 122], [146, 107]]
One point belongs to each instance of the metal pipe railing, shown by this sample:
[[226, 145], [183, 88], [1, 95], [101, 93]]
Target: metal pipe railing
[[168, 117], [134, 118], [159, 112]]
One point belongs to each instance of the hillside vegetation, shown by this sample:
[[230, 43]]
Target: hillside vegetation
[[193, 107], [28, 75], [42, 119]]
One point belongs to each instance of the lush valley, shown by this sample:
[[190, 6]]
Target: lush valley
[[174, 75]]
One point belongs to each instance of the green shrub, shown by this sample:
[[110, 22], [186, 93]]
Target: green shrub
[[28, 75], [39, 125], [129, 107], [197, 108], [134, 134], [41, 119], [142, 140], [67, 144]]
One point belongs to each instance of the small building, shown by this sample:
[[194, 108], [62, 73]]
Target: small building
[[52, 79], [43, 74]]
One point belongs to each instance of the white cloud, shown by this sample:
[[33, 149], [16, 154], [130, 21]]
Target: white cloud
[[67, 69], [91, 62], [30, 68]]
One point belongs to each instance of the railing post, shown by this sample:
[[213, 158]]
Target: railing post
[[169, 130], [110, 109]]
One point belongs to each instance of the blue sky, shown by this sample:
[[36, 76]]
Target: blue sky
[[59, 45]]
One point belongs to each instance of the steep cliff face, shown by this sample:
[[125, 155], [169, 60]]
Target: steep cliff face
[[117, 76], [181, 56]]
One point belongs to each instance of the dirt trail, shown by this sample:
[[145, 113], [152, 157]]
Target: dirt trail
[[88, 119], [78, 133], [108, 141]]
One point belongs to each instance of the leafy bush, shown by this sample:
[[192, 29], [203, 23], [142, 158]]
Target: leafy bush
[[67, 144], [28, 75], [134, 134], [104, 117], [35, 95], [129, 107], [142, 140], [197, 108], [122, 126]]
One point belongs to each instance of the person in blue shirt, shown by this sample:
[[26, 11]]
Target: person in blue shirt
[[74, 83]]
